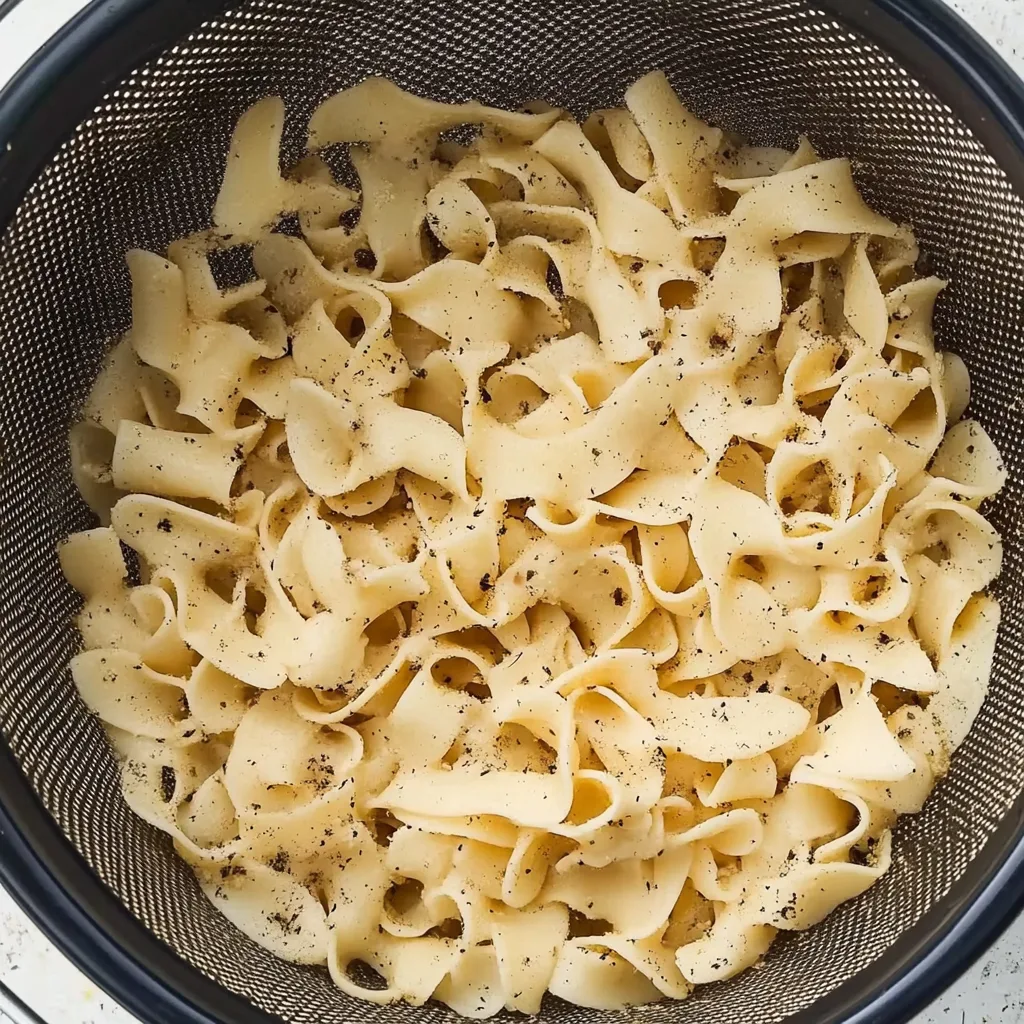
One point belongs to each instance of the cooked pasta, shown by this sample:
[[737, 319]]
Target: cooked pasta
[[555, 568]]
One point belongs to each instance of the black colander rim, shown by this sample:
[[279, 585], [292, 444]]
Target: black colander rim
[[52, 883]]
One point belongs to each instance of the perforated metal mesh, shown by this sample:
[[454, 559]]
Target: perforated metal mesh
[[144, 169]]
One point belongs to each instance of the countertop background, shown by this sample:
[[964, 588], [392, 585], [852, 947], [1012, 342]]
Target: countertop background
[[992, 992]]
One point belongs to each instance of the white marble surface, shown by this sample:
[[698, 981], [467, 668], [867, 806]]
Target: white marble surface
[[991, 993]]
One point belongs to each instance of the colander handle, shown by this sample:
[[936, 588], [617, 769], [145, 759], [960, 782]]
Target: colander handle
[[11, 1005], [6, 6]]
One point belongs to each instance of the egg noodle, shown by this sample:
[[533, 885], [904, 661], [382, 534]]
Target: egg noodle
[[556, 566]]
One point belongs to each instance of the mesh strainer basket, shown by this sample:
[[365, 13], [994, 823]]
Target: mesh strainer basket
[[115, 137]]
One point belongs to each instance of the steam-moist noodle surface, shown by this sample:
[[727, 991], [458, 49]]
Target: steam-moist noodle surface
[[560, 563]]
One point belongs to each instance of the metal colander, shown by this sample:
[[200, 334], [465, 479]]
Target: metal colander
[[143, 167]]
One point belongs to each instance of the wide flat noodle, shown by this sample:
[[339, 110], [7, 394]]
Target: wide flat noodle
[[554, 571]]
